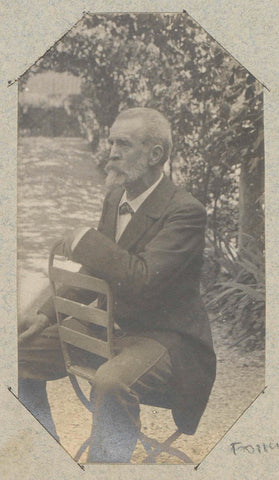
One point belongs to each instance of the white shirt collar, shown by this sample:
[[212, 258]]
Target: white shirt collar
[[136, 202]]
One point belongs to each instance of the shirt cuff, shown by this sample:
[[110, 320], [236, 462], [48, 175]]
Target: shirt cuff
[[79, 236]]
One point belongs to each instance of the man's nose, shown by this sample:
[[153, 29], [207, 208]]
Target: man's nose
[[114, 153]]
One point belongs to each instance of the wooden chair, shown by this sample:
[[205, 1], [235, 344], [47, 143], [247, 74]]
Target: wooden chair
[[79, 334]]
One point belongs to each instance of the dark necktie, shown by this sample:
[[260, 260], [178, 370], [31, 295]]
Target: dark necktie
[[125, 208]]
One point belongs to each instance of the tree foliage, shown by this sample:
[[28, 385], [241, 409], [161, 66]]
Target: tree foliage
[[170, 63]]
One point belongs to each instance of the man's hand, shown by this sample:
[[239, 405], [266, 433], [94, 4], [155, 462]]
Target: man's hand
[[28, 327], [70, 241]]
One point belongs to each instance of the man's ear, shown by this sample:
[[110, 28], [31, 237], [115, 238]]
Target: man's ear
[[156, 155]]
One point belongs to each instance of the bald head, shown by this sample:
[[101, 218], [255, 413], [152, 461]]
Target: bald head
[[156, 129]]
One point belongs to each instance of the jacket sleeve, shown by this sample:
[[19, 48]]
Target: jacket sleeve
[[144, 276]]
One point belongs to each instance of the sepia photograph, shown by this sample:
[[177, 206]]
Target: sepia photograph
[[141, 243]]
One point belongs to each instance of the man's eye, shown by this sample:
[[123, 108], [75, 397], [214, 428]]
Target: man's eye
[[118, 143]]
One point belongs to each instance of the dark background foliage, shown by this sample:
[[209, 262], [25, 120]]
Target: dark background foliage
[[215, 107]]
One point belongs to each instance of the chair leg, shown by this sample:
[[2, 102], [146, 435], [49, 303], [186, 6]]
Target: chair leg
[[152, 447], [146, 443], [87, 403], [165, 446], [81, 450]]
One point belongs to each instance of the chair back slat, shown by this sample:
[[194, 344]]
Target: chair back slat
[[85, 342], [79, 280], [82, 312], [81, 327]]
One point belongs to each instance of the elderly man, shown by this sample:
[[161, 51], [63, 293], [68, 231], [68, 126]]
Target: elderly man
[[149, 247]]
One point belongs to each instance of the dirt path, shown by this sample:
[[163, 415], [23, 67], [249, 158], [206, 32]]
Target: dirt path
[[55, 178]]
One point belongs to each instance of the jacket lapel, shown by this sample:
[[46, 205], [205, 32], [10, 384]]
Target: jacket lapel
[[150, 210]]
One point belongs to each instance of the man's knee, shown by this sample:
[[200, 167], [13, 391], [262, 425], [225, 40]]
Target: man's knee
[[107, 382]]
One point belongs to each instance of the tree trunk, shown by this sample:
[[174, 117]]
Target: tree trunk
[[251, 217]]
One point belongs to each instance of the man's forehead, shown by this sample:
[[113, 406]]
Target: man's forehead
[[127, 127]]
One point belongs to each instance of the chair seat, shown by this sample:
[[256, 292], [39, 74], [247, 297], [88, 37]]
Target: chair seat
[[84, 372], [88, 373]]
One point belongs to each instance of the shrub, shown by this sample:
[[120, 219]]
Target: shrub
[[238, 291]]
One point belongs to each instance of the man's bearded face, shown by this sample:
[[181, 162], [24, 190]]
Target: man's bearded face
[[129, 154]]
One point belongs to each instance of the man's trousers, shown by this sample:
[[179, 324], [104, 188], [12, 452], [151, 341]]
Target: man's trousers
[[140, 370]]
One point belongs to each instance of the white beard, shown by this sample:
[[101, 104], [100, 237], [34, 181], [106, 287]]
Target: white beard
[[114, 178]]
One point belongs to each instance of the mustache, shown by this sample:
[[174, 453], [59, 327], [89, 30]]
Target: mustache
[[111, 166]]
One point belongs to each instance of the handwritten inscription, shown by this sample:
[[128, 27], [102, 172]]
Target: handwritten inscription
[[239, 448]]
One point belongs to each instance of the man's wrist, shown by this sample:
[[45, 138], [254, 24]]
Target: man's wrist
[[48, 321]]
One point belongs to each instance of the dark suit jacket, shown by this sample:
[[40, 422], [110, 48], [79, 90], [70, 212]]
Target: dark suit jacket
[[154, 272]]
